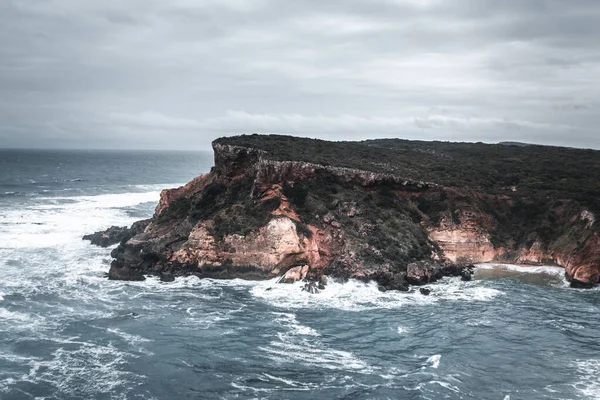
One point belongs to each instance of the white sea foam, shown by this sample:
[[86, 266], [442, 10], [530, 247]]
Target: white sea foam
[[302, 344], [87, 371], [314, 353], [402, 330], [49, 225], [7, 316], [358, 296], [445, 385], [588, 384], [546, 270], [434, 360], [289, 321], [133, 340], [41, 253]]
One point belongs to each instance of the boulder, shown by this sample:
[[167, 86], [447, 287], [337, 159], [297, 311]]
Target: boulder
[[124, 273], [423, 272], [295, 274], [391, 281], [424, 291], [322, 282], [577, 284], [112, 235], [465, 276], [116, 234], [166, 277], [310, 287]]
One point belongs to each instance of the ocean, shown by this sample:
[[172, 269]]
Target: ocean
[[66, 332]]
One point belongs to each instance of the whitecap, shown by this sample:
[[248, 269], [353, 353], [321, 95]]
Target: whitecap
[[434, 360], [402, 330], [588, 384], [446, 385], [12, 317]]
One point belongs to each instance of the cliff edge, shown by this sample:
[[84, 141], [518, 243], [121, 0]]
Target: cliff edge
[[395, 211]]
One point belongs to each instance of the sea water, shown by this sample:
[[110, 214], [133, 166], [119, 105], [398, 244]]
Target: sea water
[[66, 332]]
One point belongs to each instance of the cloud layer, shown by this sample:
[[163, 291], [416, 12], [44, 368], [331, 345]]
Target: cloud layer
[[177, 74]]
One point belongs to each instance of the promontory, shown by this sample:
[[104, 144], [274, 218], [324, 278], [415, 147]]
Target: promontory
[[395, 211]]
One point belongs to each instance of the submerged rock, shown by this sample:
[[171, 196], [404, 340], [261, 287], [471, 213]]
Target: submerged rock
[[466, 276], [424, 291], [310, 287]]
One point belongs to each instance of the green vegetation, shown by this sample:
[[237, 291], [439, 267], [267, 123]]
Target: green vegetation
[[382, 227], [535, 170], [179, 207]]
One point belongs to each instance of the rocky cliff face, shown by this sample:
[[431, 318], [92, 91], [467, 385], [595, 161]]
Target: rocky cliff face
[[256, 217], [577, 249]]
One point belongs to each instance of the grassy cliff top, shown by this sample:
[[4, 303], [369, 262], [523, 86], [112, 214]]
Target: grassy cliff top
[[564, 172]]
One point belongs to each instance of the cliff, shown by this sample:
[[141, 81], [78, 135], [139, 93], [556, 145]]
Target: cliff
[[394, 211]]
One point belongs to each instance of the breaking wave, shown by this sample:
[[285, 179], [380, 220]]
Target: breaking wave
[[359, 296]]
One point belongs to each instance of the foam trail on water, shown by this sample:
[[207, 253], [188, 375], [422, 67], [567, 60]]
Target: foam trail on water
[[301, 344], [548, 270]]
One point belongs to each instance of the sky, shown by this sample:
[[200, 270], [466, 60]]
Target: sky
[[155, 74]]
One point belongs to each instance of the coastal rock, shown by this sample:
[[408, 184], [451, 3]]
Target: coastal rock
[[166, 277], [391, 281], [124, 273], [322, 282], [423, 272], [108, 237], [311, 287], [116, 234], [295, 274]]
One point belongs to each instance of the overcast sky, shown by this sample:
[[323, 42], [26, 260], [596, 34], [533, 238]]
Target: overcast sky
[[176, 74]]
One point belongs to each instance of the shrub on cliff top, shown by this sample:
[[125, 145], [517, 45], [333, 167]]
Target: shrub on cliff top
[[296, 193]]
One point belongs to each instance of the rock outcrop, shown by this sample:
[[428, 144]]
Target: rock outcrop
[[116, 234], [258, 215]]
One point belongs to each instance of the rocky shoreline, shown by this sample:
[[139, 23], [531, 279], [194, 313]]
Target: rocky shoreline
[[256, 216], [416, 274]]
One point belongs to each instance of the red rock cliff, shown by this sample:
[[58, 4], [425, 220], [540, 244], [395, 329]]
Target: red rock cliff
[[256, 217]]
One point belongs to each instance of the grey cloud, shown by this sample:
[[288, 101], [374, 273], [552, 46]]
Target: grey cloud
[[155, 74]]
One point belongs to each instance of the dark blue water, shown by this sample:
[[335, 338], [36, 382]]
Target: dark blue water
[[68, 333]]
